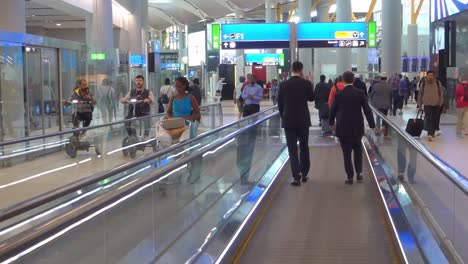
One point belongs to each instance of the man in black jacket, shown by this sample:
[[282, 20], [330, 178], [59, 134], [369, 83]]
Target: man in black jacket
[[321, 94], [295, 119], [360, 84], [347, 108]]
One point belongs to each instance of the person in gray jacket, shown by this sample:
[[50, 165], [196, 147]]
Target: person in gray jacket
[[381, 98], [431, 98]]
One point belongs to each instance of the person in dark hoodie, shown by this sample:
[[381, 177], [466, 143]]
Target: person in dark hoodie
[[84, 105], [321, 94]]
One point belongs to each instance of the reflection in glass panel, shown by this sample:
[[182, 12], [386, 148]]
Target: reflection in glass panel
[[11, 91]]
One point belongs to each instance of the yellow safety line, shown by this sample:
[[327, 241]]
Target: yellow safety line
[[240, 251], [393, 243]]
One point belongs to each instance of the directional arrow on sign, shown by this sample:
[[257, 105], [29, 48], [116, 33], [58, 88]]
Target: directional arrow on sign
[[225, 44], [225, 36], [362, 34]]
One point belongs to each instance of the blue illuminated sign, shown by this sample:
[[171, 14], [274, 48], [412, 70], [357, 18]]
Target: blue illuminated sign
[[332, 35], [172, 66], [137, 59], [255, 36], [264, 59]]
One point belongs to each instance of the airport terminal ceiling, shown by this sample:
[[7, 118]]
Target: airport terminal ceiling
[[165, 13]]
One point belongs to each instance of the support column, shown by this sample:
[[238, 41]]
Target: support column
[[13, 16], [99, 27], [138, 27], [322, 15], [343, 55], [270, 17], [391, 36], [412, 44], [305, 55], [363, 62]]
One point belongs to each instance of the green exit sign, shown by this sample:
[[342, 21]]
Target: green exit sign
[[372, 35], [98, 56], [281, 62], [215, 36]]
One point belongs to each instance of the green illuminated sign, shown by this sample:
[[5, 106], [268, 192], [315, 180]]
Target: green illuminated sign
[[98, 56], [372, 41], [281, 62], [182, 66], [215, 36]]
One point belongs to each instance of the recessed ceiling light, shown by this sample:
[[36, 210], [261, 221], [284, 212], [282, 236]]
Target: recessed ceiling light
[[33, 15], [58, 24]]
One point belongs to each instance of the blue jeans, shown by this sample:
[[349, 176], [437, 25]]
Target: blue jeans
[[378, 120]]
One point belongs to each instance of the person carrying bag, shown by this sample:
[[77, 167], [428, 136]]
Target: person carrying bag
[[182, 113]]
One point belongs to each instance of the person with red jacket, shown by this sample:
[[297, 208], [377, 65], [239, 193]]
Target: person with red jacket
[[461, 94], [339, 86]]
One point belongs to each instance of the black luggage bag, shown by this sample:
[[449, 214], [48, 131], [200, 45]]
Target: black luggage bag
[[415, 126]]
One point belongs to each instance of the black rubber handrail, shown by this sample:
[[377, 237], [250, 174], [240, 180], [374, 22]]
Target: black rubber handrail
[[441, 166], [18, 243], [76, 130], [19, 208]]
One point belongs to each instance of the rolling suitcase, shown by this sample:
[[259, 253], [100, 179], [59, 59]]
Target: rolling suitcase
[[415, 126]]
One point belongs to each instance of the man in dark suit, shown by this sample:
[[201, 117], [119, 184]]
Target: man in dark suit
[[295, 119], [347, 108]]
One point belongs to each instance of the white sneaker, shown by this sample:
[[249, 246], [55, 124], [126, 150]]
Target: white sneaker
[[438, 133]]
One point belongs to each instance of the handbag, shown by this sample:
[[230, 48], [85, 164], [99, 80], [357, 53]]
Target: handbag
[[175, 127]]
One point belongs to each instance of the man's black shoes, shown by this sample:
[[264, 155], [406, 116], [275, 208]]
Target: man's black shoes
[[359, 178], [296, 182]]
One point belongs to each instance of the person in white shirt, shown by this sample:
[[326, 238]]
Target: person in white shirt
[[165, 93], [219, 85]]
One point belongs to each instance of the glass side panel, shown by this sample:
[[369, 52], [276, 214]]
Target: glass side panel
[[167, 220], [21, 188], [34, 167], [424, 192], [12, 114]]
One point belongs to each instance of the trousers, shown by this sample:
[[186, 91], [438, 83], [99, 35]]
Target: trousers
[[352, 146], [300, 162], [431, 114]]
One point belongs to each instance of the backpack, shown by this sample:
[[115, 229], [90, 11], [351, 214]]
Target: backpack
[[465, 91]]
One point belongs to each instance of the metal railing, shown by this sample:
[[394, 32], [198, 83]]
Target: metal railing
[[76, 130]]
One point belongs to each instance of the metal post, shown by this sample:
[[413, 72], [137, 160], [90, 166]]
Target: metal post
[[212, 117]]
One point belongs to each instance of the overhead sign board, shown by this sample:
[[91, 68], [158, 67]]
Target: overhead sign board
[[332, 35], [255, 36], [98, 56], [372, 31], [263, 59], [215, 36]]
